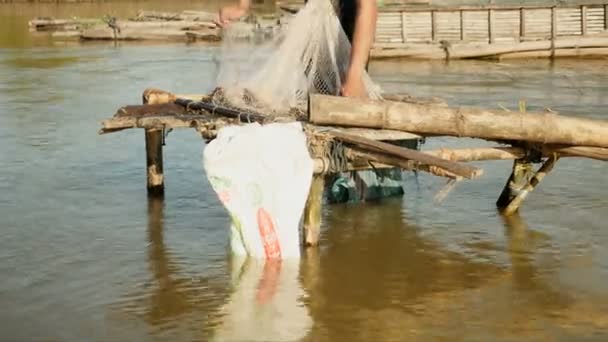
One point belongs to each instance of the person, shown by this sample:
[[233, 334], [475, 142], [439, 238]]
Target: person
[[358, 19]]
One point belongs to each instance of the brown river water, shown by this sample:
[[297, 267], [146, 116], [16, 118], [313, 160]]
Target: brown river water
[[85, 256]]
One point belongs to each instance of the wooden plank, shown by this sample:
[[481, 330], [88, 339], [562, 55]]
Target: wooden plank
[[447, 25], [418, 26], [569, 21], [476, 25]]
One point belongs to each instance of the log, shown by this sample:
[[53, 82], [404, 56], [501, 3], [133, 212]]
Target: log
[[134, 34], [49, 24], [461, 170], [161, 30], [486, 124]]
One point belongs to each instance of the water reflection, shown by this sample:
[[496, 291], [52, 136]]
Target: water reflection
[[260, 302], [266, 303], [381, 275]]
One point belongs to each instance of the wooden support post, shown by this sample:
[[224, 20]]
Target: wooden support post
[[553, 30], [522, 24], [154, 162], [522, 171], [433, 26], [490, 26], [313, 211], [462, 34], [584, 20], [606, 17], [516, 202], [403, 27]]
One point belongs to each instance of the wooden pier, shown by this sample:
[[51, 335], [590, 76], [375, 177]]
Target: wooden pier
[[346, 134]]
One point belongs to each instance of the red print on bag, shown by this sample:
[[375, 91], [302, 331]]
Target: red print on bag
[[272, 247], [224, 197]]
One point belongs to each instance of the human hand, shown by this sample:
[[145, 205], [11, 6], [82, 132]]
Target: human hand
[[228, 14], [353, 86]]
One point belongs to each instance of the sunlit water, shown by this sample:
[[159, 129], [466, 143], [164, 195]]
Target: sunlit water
[[84, 255]]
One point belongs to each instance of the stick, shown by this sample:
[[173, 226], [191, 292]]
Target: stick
[[387, 161], [465, 171], [223, 111]]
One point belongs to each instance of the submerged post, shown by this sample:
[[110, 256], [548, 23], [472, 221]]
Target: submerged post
[[522, 171], [520, 176], [313, 211], [516, 202], [154, 162]]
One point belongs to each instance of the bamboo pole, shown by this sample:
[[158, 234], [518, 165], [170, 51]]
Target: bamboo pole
[[546, 128], [516, 202]]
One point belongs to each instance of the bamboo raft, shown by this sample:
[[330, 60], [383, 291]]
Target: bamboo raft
[[402, 31], [346, 134]]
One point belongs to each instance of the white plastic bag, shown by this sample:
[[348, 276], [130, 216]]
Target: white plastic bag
[[262, 175]]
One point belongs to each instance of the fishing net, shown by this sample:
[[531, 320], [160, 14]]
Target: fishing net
[[308, 53]]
